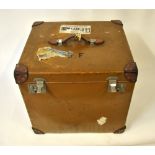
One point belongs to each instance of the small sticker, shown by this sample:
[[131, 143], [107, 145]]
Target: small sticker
[[75, 29], [102, 120], [48, 52]]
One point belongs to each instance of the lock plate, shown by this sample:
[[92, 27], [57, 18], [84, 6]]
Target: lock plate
[[38, 87], [114, 86]]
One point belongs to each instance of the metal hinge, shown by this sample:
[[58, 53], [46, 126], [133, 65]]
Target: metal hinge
[[38, 87], [114, 86]]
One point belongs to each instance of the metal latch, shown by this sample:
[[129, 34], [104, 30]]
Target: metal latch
[[114, 86], [38, 87]]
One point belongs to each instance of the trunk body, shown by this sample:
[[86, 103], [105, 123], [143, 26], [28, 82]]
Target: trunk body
[[87, 92]]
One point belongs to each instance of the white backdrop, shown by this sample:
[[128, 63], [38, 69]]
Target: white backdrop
[[15, 127]]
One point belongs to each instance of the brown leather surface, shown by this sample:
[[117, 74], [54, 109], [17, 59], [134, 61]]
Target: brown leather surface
[[111, 56], [76, 107], [77, 94]]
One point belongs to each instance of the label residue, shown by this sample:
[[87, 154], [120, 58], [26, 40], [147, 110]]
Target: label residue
[[48, 52], [102, 120], [75, 29]]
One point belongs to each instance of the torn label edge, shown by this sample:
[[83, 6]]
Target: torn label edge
[[102, 120], [48, 52]]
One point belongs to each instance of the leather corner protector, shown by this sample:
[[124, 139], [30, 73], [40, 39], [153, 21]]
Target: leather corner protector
[[20, 73], [119, 22], [131, 72], [121, 130], [37, 23], [36, 131]]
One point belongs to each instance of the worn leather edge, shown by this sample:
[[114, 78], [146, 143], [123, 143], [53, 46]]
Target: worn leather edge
[[37, 131], [20, 73], [120, 130], [131, 72], [119, 22], [37, 23]]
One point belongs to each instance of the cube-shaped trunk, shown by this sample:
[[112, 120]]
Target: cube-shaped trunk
[[77, 76]]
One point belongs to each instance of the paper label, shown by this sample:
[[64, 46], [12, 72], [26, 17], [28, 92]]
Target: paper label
[[75, 29], [102, 120], [48, 52]]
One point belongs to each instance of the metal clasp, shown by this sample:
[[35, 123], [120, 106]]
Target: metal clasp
[[92, 41], [59, 41], [114, 86], [38, 87]]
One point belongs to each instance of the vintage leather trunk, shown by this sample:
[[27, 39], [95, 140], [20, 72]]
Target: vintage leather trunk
[[77, 77]]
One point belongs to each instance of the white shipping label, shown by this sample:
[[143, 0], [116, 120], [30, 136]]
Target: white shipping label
[[75, 29]]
